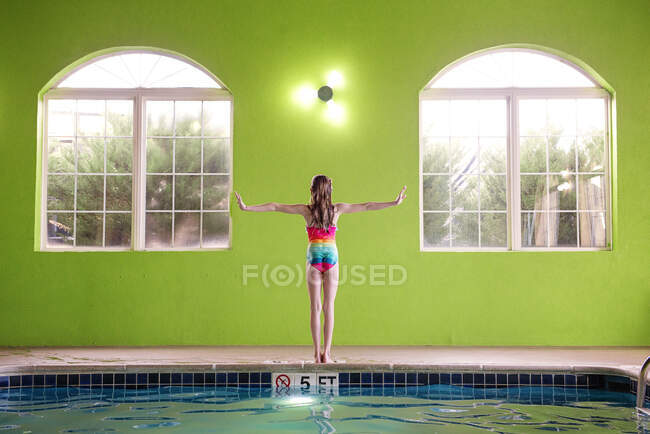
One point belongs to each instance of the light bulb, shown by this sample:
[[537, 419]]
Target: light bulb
[[305, 95], [335, 79], [334, 112]]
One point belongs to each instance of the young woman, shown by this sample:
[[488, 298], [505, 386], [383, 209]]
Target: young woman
[[321, 217]]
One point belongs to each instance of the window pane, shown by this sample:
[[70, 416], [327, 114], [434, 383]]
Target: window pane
[[215, 229], [591, 154], [183, 156], [119, 118], [561, 117], [435, 192], [215, 192], [119, 155], [159, 155], [563, 229], [60, 192], [216, 156], [464, 231], [187, 118], [464, 192], [118, 193], [158, 232], [533, 229], [60, 229], [511, 68], [532, 117], [188, 155], [118, 230], [494, 230], [60, 157], [532, 154], [160, 115], [593, 229], [159, 192], [493, 192], [89, 229], [533, 192], [435, 118], [591, 192], [186, 229], [492, 118], [464, 118], [470, 138], [188, 192], [562, 192], [216, 118], [570, 148], [435, 154], [60, 117], [464, 155], [138, 70], [561, 154], [436, 229], [90, 155], [90, 193], [541, 70], [90, 118], [493, 154], [591, 117]]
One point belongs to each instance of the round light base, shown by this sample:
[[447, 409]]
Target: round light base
[[325, 93]]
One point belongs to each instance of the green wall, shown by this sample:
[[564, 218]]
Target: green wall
[[387, 52]]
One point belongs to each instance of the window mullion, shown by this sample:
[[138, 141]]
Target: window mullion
[[515, 181], [609, 140], [45, 173], [76, 172], [104, 176], [139, 160]]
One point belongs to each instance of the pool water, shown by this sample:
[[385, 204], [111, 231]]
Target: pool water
[[435, 408]]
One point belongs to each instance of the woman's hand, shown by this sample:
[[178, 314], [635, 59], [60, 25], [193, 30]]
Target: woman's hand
[[401, 196], [240, 202]]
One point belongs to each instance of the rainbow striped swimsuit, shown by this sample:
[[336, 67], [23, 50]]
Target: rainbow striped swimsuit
[[321, 252]]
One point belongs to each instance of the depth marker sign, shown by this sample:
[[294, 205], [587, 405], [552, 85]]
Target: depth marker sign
[[306, 380]]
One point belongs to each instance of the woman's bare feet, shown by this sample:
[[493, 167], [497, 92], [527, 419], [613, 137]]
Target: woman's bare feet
[[317, 357], [326, 358]]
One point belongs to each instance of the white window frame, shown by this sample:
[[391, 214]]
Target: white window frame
[[512, 97], [139, 96]]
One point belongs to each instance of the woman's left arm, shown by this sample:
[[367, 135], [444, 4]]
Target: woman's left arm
[[272, 206], [347, 208]]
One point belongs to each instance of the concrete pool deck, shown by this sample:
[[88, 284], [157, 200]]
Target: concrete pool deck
[[597, 360]]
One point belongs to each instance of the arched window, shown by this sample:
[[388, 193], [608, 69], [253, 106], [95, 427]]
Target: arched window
[[136, 155], [514, 155]]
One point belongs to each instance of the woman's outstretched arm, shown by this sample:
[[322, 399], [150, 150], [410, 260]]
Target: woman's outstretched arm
[[347, 208], [272, 206]]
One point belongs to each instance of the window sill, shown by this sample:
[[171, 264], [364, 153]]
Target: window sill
[[529, 249]]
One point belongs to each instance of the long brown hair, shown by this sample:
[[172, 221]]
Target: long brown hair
[[321, 208]]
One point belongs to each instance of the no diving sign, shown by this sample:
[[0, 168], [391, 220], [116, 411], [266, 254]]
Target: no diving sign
[[282, 380], [305, 380]]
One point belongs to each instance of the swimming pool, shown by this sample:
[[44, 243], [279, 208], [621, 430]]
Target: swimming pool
[[351, 407]]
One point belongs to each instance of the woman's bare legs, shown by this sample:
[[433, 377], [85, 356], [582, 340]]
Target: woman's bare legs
[[330, 285], [314, 282]]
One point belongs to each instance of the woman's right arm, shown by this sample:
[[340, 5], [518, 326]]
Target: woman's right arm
[[272, 206]]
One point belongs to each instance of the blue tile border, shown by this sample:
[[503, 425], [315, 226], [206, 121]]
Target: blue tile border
[[138, 380], [347, 380]]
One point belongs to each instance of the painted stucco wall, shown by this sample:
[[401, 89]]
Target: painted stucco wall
[[387, 51]]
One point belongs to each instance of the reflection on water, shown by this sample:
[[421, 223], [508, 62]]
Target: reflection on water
[[439, 408]]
